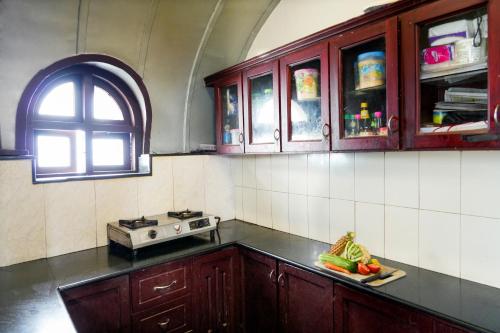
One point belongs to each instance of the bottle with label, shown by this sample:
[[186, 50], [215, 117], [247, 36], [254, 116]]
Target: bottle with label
[[377, 122], [350, 125], [366, 124]]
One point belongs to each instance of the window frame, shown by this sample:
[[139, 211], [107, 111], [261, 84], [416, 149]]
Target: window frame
[[134, 129]]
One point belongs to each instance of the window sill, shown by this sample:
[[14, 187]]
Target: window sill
[[46, 180]]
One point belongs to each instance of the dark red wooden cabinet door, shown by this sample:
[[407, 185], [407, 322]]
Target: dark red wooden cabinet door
[[266, 115], [381, 36], [305, 301], [229, 113], [312, 56], [215, 282], [416, 95], [259, 302], [101, 306], [357, 312]]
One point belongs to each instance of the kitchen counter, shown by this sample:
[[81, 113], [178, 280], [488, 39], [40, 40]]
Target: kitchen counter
[[30, 301]]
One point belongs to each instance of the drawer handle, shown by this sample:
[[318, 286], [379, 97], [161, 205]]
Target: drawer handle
[[392, 129], [158, 288], [272, 276], [495, 115], [281, 280], [163, 325]]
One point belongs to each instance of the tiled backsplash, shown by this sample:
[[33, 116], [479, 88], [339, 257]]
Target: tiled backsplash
[[46, 220], [436, 210]]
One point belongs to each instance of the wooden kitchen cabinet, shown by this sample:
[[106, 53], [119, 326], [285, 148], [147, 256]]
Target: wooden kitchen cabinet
[[476, 65], [259, 292], [216, 277], [364, 71], [305, 301], [229, 128], [357, 312], [101, 306]]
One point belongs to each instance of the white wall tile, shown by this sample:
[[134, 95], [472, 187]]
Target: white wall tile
[[401, 234], [370, 227], [264, 209], [280, 211], [115, 199], [249, 171], [297, 209], [237, 170], [401, 179], [22, 230], [318, 216], [263, 172], [189, 192], [480, 183], [70, 217], [156, 193], [238, 198], [369, 177], [440, 181], [279, 173], [297, 166], [341, 218], [439, 242], [318, 175], [342, 176], [219, 187], [480, 250], [249, 204]]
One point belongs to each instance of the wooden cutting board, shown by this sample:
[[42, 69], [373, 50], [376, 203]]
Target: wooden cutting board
[[398, 274]]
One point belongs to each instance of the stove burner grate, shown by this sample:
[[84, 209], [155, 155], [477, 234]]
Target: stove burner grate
[[137, 223], [185, 214]]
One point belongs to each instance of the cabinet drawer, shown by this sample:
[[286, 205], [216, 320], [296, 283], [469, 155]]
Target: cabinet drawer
[[159, 284], [172, 317]]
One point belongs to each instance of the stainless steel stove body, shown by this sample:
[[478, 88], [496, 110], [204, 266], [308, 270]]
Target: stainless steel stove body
[[168, 228]]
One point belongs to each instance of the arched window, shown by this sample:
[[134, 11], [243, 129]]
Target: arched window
[[79, 119]]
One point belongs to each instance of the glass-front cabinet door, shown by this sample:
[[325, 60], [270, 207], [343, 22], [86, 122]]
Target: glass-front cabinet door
[[452, 74], [261, 100], [364, 88], [229, 115], [305, 120]]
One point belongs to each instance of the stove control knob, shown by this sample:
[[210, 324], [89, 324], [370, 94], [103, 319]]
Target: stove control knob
[[152, 234], [177, 228]]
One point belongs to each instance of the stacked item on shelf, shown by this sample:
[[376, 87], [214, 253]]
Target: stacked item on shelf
[[461, 44]]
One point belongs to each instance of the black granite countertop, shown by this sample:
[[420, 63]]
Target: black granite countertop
[[30, 301]]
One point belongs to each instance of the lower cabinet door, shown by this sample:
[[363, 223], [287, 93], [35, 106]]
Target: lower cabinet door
[[215, 279], [305, 301], [172, 317], [259, 290], [357, 312], [100, 307]]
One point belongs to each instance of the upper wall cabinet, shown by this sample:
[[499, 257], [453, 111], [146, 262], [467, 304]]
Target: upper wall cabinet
[[229, 115], [262, 111], [451, 71], [364, 88], [305, 117]]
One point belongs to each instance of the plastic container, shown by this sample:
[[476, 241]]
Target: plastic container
[[306, 82], [371, 69]]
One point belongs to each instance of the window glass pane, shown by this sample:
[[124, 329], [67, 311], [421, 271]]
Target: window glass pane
[[105, 106], [53, 151], [108, 152], [230, 115], [262, 106], [60, 101]]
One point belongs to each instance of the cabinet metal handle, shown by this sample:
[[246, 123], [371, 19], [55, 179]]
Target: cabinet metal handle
[[171, 284], [163, 325], [281, 280], [495, 115], [389, 124], [276, 134], [241, 137], [326, 130], [224, 325], [273, 273]]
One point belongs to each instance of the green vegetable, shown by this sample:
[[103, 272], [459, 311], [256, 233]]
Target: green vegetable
[[352, 252], [338, 261]]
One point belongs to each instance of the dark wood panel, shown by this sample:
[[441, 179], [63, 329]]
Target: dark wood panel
[[101, 306], [155, 285], [259, 301], [306, 301]]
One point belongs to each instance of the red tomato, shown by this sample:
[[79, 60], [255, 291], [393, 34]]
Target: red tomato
[[373, 268], [363, 269]]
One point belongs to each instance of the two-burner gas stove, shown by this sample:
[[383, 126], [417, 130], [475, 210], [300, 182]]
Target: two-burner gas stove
[[139, 233]]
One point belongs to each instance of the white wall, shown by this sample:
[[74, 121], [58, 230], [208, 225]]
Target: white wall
[[436, 210], [46, 220]]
